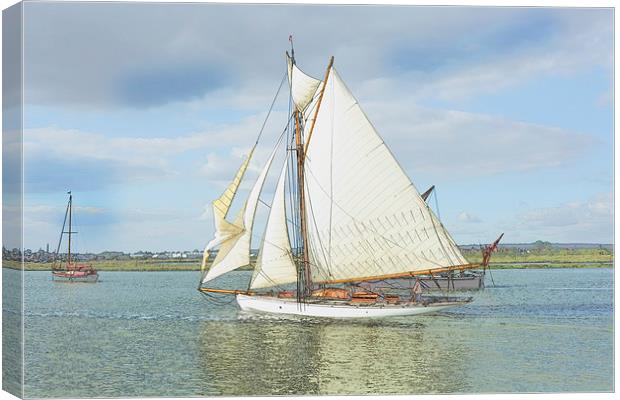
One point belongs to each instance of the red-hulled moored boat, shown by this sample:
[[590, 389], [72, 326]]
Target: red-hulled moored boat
[[71, 271]]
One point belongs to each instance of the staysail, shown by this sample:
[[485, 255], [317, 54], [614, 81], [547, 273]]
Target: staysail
[[235, 251], [366, 218], [226, 231], [275, 264]]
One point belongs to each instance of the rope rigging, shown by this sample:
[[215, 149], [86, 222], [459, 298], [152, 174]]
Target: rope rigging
[[373, 241], [273, 102]]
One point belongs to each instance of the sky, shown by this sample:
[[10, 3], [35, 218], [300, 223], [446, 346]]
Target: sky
[[145, 111]]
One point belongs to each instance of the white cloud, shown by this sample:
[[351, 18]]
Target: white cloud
[[561, 57], [468, 218], [47, 210], [218, 168], [221, 168], [63, 143], [577, 43], [207, 212], [454, 143], [588, 221], [425, 141], [117, 159], [249, 55], [451, 53]]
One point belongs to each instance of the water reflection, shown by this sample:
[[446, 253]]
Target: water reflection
[[267, 355]]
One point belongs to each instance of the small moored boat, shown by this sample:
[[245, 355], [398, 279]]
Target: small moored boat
[[71, 271]]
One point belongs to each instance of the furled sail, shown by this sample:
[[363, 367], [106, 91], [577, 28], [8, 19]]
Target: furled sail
[[275, 265], [365, 217], [226, 231], [303, 87], [235, 252]]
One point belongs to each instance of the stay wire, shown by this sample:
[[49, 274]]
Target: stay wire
[[273, 102]]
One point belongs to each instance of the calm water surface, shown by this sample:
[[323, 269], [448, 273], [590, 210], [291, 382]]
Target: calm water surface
[[153, 334]]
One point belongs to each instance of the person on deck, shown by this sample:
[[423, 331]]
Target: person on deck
[[417, 291]]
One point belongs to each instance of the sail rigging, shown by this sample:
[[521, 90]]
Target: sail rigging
[[275, 265], [358, 215], [343, 211]]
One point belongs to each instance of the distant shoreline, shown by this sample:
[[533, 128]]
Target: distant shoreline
[[541, 257], [493, 266]]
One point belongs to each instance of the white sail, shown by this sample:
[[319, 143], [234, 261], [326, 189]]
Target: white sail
[[226, 231], [275, 265], [303, 87], [235, 252], [365, 217]]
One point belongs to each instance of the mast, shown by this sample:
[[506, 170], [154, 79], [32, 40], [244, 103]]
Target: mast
[[304, 276], [62, 231], [69, 233], [305, 273], [304, 270]]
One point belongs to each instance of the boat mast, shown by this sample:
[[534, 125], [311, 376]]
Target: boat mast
[[305, 273], [304, 276], [69, 233]]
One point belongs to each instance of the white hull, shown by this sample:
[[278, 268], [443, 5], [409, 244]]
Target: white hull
[[333, 310]]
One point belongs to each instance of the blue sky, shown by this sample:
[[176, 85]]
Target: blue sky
[[146, 110]]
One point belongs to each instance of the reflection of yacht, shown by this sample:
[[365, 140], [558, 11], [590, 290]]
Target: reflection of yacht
[[71, 271], [344, 214], [349, 357]]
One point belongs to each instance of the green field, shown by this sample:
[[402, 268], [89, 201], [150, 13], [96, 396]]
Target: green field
[[544, 257]]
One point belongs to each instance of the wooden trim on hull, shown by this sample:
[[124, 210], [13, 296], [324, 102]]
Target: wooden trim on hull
[[405, 274], [225, 291]]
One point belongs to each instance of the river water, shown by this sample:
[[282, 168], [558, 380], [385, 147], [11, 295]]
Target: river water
[[153, 334]]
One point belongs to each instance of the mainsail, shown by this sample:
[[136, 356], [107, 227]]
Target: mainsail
[[275, 264], [235, 251], [366, 218]]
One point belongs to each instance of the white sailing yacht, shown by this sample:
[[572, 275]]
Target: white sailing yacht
[[345, 219]]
